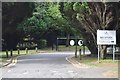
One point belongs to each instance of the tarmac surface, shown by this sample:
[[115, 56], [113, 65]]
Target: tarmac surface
[[49, 65]]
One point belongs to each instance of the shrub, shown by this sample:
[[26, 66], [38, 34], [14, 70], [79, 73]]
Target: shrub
[[42, 43]]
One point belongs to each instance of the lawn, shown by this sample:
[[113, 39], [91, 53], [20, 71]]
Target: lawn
[[107, 63], [93, 61], [70, 48], [15, 53]]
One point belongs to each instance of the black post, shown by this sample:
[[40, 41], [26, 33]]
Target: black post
[[18, 51], [11, 52], [57, 45], [80, 57], [52, 46], [7, 54], [83, 49], [76, 48]]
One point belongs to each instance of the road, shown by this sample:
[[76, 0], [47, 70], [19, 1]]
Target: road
[[49, 65]]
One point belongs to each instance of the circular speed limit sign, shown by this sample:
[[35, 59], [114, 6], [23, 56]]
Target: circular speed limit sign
[[72, 42], [80, 42]]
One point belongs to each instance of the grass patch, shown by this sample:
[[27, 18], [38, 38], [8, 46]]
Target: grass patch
[[22, 52], [47, 49], [108, 61], [70, 48], [15, 53], [93, 61]]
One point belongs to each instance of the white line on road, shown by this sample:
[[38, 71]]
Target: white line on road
[[53, 71], [71, 71], [9, 70], [14, 61], [25, 72]]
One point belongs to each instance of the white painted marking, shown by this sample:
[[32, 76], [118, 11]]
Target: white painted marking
[[53, 71], [71, 71], [9, 70], [25, 73], [14, 61]]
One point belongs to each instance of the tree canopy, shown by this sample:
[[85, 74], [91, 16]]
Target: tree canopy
[[12, 14], [88, 17]]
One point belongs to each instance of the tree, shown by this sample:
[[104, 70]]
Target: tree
[[91, 16], [48, 23], [63, 24], [13, 13], [36, 25]]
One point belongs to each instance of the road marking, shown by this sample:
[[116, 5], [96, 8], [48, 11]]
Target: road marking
[[71, 71], [37, 71], [25, 73], [72, 63], [53, 71], [14, 61], [9, 70], [76, 63]]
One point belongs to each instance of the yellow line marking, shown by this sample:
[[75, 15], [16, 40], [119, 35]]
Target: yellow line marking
[[76, 64], [14, 61]]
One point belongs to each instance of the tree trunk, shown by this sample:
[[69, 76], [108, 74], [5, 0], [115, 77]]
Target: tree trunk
[[90, 43], [67, 41], [103, 51], [91, 46]]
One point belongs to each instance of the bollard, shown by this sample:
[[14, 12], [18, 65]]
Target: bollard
[[75, 53], [36, 49], [80, 54], [11, 52], [52, 47], [18, 51], [83, 50], [7, 54], [26, 50]]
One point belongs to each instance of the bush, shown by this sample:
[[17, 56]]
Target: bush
[[42, 43]]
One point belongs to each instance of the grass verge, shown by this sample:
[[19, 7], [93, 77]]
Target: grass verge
[[93, 61], [113, 67]]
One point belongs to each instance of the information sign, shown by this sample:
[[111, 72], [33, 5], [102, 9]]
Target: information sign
[[106, 37]]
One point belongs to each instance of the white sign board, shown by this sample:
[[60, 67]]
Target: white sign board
[[106, 37], [72, 42]]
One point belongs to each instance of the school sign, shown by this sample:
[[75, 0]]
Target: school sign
[[106, 37]]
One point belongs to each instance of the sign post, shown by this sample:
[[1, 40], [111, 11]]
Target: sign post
[[72, 43], [106, 37], [113, 52], [80, 43], [98, 54], [76, 48]]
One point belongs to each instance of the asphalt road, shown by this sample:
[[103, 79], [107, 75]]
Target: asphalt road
[[49, 65]]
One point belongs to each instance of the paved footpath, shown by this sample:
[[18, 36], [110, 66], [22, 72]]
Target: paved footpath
[[49, 65]]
